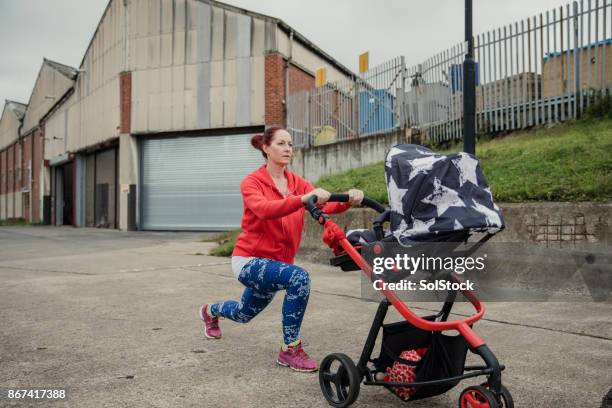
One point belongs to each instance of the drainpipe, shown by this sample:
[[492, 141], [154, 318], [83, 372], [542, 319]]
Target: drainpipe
[[287, 63], [126, 50], [20, 144]]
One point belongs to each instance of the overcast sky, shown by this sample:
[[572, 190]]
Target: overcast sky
[[61, 29]]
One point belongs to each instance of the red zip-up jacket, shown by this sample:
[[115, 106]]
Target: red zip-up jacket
[[271, 224]]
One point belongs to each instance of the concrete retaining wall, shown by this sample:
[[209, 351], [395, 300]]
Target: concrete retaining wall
[[318, 161]]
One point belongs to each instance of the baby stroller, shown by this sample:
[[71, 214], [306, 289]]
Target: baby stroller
[[432, 198]]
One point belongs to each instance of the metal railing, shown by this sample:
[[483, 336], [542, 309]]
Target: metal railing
[[540, 70]]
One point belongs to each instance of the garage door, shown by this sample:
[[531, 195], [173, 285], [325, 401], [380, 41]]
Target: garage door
[[193, 183]]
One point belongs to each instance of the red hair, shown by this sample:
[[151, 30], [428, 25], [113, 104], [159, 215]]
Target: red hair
[[258, 141]]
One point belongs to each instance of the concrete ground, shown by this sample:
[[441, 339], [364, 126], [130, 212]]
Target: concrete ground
[[112, 318]]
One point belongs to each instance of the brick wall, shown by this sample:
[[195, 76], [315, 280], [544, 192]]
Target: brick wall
[[125, 95], [37, 166], [10, 184], [26, 162], [299, 80], [3, 185], [15, 174], [274, 90]]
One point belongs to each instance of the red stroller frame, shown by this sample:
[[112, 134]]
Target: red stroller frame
[[341, 388]]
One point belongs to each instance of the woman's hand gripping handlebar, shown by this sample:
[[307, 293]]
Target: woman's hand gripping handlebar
[[321, 217], [316, 213]]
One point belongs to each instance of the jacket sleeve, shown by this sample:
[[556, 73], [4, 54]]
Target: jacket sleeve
[[264, 208], [328, 208]]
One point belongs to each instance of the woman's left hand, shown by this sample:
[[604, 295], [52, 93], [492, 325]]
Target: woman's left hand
[[355, 197]]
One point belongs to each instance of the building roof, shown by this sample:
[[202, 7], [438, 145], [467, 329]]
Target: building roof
[[67, 71], [17, 108]]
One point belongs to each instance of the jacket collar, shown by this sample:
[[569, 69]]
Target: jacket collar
[[262, 175]]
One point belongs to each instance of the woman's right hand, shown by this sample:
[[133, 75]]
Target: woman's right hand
[[322, 196]]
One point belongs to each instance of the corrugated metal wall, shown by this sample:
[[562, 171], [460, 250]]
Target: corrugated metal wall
[[18, 209], [96, 115], [37, 177], [61, 128], [91, 114], [191, 64], [194, 66]]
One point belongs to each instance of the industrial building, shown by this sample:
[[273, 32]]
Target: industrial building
[[152, 130]]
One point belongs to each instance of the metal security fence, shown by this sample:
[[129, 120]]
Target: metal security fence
[[544, 69], [323, 115], [540, 70], [342, 110], [434, 101]]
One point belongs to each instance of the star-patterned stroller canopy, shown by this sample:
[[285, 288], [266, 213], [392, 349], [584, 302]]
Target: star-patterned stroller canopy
[[431, 194]]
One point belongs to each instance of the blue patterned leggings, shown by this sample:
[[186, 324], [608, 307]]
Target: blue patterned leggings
[[263, 278]]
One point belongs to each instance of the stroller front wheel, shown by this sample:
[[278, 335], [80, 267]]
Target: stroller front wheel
[[477, 396], [339, 380]]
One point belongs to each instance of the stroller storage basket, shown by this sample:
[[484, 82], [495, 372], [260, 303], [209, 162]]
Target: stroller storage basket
[[445, 356]]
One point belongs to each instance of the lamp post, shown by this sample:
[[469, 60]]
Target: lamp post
[[469, 86]]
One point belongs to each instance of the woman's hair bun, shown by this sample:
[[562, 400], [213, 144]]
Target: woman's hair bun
[[257, 142]]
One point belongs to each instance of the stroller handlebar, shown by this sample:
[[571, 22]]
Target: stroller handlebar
[[321, 217], [366, 202]]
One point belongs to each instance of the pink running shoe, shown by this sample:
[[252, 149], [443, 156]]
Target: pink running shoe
[[296, 358], [211, 324]]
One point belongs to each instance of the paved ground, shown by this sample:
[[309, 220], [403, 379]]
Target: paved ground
[[111, 316]]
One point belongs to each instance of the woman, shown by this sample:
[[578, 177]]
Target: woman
[[263, 257]]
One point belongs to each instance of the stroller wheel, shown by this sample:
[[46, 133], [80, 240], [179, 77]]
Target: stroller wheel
[[506, 397], [339, 380], [477, 396], [507, 401]]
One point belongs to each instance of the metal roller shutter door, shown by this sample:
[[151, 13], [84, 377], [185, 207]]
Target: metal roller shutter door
[[193, 183]]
